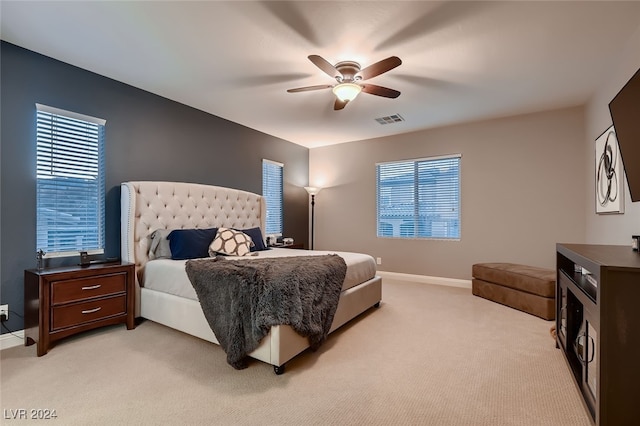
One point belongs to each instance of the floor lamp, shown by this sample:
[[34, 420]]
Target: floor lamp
[[313, 191]]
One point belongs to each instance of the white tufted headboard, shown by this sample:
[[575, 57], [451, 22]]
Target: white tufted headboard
[[146, 206]]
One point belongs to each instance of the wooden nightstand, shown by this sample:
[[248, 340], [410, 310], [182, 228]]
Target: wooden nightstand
[[290, 246], [61, 302]]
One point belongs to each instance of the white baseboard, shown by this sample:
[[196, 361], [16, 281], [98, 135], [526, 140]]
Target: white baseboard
[[451, 282], [9, 340]]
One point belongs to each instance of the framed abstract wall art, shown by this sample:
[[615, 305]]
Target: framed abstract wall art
[[609, 174]]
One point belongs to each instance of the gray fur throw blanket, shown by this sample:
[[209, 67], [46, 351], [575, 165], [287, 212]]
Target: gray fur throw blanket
[[242, 299]]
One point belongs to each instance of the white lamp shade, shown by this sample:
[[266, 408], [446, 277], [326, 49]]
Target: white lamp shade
[[312, 190], [347, 91]]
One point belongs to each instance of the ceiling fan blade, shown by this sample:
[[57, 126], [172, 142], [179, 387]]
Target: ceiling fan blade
[[372, 89], [325, 66], [339, 104], [379, 67], [309, 88]]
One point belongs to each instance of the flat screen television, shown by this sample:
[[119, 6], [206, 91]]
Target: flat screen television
[[625, 113]]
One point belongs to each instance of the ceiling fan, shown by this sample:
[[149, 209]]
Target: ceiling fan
[[349, 79]]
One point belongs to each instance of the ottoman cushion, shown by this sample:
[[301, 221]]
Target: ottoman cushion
[[530, 279]]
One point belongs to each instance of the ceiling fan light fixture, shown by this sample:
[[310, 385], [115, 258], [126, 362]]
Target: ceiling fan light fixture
[[347, 92]]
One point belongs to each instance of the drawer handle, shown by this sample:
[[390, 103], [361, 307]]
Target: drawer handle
[[91, 311], [92, 287], [592, 350], [580, 348]]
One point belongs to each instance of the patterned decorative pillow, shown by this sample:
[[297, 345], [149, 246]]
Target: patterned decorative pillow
[[256, 237], [230, 242]]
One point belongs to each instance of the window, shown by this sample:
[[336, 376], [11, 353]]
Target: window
[[419, 198], [272, 191], [70, 182]]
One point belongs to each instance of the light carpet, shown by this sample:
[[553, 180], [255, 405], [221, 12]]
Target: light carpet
[[429, 355]]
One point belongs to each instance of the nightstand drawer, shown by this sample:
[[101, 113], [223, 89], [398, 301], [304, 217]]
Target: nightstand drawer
[[289, 246], [80, 313], [87, 288]]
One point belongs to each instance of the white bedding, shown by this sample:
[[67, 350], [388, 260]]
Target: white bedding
[[169, 276]]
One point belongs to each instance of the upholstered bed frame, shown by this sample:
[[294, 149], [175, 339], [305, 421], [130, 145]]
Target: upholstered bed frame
[[147, 206]]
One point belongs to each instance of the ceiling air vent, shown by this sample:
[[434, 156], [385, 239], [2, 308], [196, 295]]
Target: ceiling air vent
[[395, 118]]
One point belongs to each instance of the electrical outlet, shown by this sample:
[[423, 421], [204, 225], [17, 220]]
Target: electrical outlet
[[379, 260], [4, 311]]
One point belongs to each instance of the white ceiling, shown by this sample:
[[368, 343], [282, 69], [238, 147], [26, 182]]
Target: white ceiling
[[462, 61]]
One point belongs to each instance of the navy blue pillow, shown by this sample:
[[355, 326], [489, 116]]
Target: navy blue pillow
[[191, 243], [256, 237]]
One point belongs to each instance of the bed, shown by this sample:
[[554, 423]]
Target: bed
[[163, 291]]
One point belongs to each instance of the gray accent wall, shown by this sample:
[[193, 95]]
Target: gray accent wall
[[148, 138], [522, 190]]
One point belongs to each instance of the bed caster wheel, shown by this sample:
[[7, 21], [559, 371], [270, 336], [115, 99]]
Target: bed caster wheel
[[278, 369], [377, 305]]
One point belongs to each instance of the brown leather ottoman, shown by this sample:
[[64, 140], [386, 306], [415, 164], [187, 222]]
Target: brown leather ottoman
[[526, 288]]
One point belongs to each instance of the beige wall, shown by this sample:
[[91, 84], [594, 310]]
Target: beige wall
[[523, 189], [618, 228]]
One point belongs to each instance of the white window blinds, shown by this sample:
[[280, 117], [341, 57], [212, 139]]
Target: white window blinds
[[419, 198], [70, 182], [272, 190]]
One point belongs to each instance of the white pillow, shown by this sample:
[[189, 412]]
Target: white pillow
[[230, 242]]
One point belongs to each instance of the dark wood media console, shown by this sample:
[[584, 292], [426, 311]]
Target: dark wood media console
[[598, 327]]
